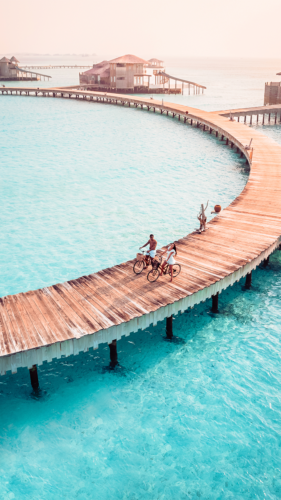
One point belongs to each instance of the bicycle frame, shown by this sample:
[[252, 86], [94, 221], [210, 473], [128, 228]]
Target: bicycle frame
[[166, 269]]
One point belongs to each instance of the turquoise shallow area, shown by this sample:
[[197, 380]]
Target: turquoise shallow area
[[199, 417], [83, 185]]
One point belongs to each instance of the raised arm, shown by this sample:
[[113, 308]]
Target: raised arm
[[144, 245]]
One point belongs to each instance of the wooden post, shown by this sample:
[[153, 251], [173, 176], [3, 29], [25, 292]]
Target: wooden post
[[215, 303], [34, 378], [169, 327], [263, 119], [257, 118], [251, 119], [269, 114], [245, 118], [113, 353], [248, 281], [266, 262], [238, 119], [222, 137], [275, 118]]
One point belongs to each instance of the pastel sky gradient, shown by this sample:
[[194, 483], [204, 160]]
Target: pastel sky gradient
[[183, 28]]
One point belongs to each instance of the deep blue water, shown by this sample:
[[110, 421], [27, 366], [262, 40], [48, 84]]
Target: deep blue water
[[197, 417]]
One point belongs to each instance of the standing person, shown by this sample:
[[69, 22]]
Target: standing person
[[202, 218], [171, 253], [152, 249]]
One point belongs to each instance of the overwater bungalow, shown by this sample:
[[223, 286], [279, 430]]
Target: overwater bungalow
[[134, 75], [10, 70]]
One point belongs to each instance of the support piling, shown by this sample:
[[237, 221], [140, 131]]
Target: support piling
[[113, 353], [215, 303], [169, 327], [248, 281], [34, 378], [266, 262]]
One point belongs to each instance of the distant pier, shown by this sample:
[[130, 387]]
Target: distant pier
[[58, 66], [259, 114], [67, 318]]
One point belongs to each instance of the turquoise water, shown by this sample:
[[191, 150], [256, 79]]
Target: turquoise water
[[197, 417], [83, 186]]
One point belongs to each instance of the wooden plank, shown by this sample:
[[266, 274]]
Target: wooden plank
[[70, 317], [31, 332], [14, 342], [84, 300], [42, 326], [77, 307], [7, 342]]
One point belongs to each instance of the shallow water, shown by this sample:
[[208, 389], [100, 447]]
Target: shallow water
[[196, 417], [83, 186]]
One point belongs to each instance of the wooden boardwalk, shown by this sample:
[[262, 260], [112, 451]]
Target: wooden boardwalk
[[272, 108], [70, 317], [272, 112]]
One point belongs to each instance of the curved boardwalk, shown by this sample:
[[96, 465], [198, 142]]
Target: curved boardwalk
[[67, 318]]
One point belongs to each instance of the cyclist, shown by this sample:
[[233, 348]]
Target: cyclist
[[171, 252], [152, 249]]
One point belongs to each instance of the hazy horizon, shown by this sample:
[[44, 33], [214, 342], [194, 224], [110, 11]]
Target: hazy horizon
[[236, 29]]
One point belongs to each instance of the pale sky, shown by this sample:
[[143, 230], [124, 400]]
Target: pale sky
[[183, 28]]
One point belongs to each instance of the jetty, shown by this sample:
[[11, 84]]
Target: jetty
[[197, 88], [58, 66], [260, 114], [67, 318]]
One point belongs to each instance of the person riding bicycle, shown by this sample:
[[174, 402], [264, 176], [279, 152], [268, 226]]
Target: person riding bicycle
[[171, 253], [152, 249]]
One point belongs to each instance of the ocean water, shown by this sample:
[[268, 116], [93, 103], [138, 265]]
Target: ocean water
[[196, 417], [83, 186]]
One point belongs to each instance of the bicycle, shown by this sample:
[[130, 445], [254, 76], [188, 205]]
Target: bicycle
[[140, 264], [154, 274]]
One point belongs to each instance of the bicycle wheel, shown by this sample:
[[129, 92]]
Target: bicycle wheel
[[153, 275], [138, 266], [176, 270]]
